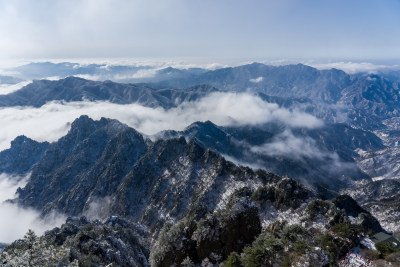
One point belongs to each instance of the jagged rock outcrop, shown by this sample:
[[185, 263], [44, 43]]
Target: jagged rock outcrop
[[23, 154], [353, 209], [86, 164]]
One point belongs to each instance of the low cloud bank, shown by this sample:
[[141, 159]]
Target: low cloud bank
[[6, 89], [291, 146], [51, 121], [14, 220], [355, 67], [9, 185], [301, 148], [257, 80]]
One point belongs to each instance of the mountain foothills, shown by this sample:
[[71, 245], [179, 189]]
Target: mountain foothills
[[266, 194]]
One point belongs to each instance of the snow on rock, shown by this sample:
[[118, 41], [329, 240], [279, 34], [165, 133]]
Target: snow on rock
[[368, 243], [354, 259], [315, 257]]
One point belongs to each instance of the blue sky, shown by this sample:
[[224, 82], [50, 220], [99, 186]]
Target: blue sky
[[217, 29]]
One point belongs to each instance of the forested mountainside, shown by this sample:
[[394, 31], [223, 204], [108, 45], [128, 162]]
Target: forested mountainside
[[105, 168], [98, 158], [273, 193]]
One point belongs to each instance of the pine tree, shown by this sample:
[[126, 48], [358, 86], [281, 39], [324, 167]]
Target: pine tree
[[75, 263], [36, 252], [187, 262], [32, 247]]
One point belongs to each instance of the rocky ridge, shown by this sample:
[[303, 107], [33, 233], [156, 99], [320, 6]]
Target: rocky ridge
[[184, 201]]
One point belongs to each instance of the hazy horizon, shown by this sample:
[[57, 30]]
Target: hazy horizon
[[349, 66]]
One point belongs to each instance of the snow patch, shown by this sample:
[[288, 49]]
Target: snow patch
[[257, 80]]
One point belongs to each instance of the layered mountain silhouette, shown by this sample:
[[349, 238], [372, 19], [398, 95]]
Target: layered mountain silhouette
[[70, 89], [145, 180], [105, 169], [4, 79], [121, 73], [361, 100], [98, 159], [186, 197], [367, 98]]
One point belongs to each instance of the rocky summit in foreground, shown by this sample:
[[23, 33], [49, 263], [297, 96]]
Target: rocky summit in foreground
[[175, 202]]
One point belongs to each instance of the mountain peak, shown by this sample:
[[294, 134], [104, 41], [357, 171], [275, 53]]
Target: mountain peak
[[85, 121], [201, 124], [22, 155], [20, 140], [81, 121]]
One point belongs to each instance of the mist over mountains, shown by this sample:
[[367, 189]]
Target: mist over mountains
[[360, 99], [171, 150]]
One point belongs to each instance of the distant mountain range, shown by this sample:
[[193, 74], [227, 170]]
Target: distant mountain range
[[361, 100], [69, 89], [9, 80], [121, 73]]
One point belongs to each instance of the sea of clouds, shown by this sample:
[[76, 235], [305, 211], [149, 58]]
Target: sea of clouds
[[52, 120]]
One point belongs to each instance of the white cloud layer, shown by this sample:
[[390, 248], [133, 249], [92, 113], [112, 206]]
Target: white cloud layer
[[355, 67], [6, 89], [288, 145], [140, 74], [15, 221], [9, 185], [257, 80], [51, 121]]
